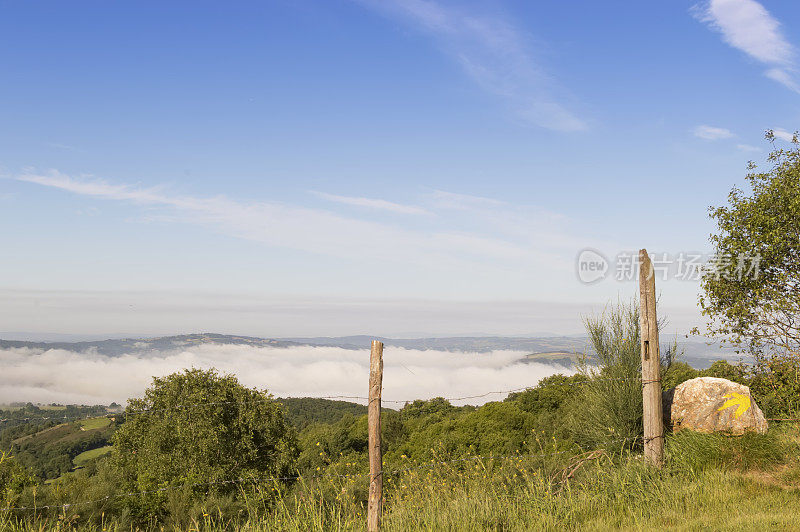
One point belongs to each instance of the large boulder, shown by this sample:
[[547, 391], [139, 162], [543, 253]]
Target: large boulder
[[710, 404]]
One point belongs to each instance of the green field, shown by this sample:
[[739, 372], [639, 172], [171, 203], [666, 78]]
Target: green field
[[94, 423], [87, 456]]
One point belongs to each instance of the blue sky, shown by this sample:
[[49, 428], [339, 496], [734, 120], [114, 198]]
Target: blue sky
[[362, 162]]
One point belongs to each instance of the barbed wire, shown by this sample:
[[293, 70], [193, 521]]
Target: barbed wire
[[303, 477], [298, 477], [383, 400], [72, 419], [329, 397]]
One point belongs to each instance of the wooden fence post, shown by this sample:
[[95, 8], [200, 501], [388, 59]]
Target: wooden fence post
[[653, 415], [375, 500]]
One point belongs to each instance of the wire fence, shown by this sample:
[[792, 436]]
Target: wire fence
[[329, 397], [298, 478]]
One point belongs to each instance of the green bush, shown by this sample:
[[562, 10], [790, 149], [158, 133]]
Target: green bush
[[775, 384], [197, 427], [611, 404], [676, 373], [774, 381]]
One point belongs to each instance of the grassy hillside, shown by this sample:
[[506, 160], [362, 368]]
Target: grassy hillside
[[93, 454], [49, 453]]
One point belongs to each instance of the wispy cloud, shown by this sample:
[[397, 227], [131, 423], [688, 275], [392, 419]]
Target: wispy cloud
[[372, 203], [747, 26], [462, 202], [783, 135], [494, 54], [61, 146], [484, 235], [712, 133], [747, 148]]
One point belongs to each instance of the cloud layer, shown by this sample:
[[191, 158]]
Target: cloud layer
[[88, 378]]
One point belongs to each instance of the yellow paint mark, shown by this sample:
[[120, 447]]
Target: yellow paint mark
[[740, 400]]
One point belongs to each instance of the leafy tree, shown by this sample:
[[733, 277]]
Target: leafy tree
[[203, 429], [752, 292], [549, 394], [419, 408], [305, 411]]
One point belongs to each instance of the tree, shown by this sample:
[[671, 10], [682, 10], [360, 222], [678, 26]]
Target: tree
[[752, 292], [201, 429]]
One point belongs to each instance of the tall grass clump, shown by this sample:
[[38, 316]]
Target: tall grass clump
[[611, 409], [692, 451]]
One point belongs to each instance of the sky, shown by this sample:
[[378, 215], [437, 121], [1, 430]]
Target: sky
[[392, 167]]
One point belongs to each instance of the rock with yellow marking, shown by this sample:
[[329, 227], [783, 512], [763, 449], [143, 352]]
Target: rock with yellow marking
[[710, 404]]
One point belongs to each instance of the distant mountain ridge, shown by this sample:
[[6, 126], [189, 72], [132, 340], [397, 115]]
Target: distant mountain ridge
[[547, 350], [117, 347]]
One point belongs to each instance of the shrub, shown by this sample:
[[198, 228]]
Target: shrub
[[612, 401], [197, 427]]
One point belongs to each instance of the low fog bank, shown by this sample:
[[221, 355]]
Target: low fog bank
[[68, 377]]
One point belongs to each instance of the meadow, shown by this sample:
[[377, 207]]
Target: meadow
[[709, 481]]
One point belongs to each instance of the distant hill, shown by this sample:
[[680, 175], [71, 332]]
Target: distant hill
[[116, 347], [553, 350], [474, 344]]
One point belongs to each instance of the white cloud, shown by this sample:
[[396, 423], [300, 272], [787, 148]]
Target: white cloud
[[462, 202], [747, 148], [371, 203], [494, 54], [712, 133], [783, 134], [747, 26], [455, 242], [784, 78], [90, 378]]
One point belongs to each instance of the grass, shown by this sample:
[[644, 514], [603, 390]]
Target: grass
[[709, 482], [87, 456], [95, 423]]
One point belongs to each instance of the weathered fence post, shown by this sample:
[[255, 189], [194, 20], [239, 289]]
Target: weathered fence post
[[375, 500], [653, 415]]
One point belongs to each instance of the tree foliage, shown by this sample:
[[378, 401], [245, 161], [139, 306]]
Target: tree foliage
[[752, 293], [201, 427]]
